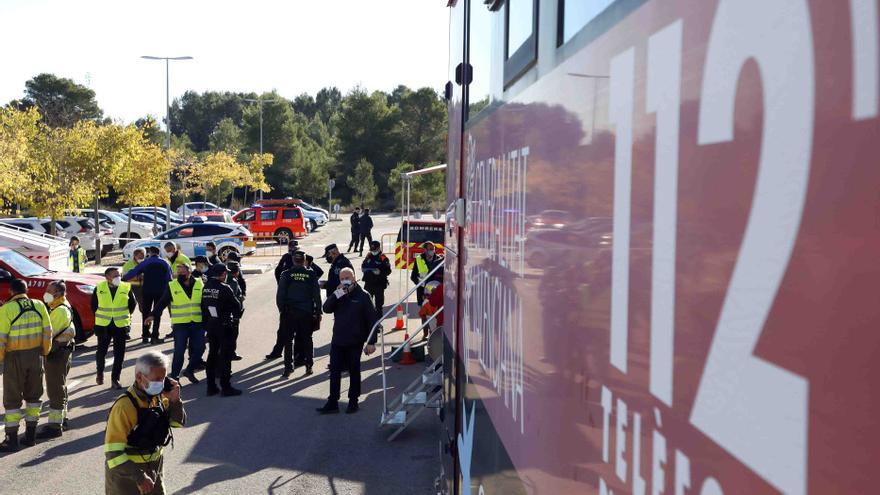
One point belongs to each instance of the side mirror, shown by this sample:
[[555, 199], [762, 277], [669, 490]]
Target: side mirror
[[5, 276]]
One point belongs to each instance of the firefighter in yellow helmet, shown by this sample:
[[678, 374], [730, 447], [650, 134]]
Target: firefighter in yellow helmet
[[25, 338]]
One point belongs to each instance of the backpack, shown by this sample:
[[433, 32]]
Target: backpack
[[153, 428]]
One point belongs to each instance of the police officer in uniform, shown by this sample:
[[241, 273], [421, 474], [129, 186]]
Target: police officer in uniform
[[21, 360], [236, 283], [58, 360], [113, 303], [337, 261], [219, 307], [299, 302], [376, 268]]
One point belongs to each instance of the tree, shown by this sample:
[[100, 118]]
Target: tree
[[18, 130], [60, 101], [362, 183], [197, 115], [150, 127], [226, 137], [427, 192], [420, 127], [364, 126]]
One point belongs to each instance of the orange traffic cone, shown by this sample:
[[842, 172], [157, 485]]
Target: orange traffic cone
[[407, 357], [400, 324]]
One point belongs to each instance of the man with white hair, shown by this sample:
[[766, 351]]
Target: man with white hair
[[139, 427], [353, 318]]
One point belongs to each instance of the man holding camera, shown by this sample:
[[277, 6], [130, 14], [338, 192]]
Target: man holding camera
[[139, 427]]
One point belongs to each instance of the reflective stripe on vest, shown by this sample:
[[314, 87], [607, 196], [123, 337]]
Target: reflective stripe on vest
[[112, 308], [186, 309], [81, 254], [27, 331]]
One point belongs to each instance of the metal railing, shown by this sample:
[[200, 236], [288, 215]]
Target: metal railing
[[388, 313]]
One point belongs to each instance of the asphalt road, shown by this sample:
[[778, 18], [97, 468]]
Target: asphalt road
[[269, 440]]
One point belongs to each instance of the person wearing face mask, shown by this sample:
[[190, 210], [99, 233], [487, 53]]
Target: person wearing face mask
[[353, 318], [139, 427], [183, 297], [425, 262], [113, 303], [155, 274], [76, 258], [376, 268], [211, 254], [286, 261], [25, 337], [365, 227], [236, 282], [174, 256], [337, 261], [57, 362], [201, 271], [219, 307]]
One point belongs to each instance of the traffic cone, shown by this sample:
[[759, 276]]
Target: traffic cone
[[400, 324], [407, 357]]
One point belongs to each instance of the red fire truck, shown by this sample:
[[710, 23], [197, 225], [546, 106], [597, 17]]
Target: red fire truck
[[713, 327]]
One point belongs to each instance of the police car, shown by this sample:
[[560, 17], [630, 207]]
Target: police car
[[191, 238]]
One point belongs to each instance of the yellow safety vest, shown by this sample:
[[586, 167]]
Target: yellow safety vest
[[111, 308], [186, 309], [62, 322], [24, 325], [81, 254], [422, 266]]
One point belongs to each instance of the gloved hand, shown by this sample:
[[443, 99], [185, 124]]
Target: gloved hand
[[339, 293]]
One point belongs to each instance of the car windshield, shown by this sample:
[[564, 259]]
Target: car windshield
[[119, 217], [24, 266]]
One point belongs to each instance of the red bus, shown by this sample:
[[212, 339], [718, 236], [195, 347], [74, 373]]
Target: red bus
[[713, 325]]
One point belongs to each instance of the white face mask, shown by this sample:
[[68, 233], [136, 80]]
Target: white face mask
[[374, 253], [167, 254], [155, 388], [116, 281], [347, 283], [209, 253], [48, 298]]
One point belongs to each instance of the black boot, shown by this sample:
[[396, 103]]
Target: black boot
[[213, 389], [308, 370], [30, 434], [352, 407], [286, 373], [49, 431], [329, 408], [230, 391], [11, 442]]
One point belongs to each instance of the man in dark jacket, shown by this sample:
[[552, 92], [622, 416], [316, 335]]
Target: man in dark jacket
[[353, 318], [157, 274], [299, 303], [355, 220], [211, 253], [234, 281], [286, 261], [365, 225], [337, 261], [219, 307], [376, 268]]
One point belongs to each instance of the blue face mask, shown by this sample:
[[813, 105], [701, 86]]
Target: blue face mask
[[155, 388]]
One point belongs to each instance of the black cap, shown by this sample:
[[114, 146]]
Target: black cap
[[216, 269], [310, 258], [232, 266], [329, 248], [375, 244], [299, 256], [233, 256], [200, 259]]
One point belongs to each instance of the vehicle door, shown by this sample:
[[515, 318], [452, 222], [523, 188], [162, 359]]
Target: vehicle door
[[183, 237], [247, 218], [267, 220], [292, 218], [205, 233]]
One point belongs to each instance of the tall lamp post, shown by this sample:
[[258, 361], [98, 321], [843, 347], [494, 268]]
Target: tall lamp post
[[260, 101], [167, 124]]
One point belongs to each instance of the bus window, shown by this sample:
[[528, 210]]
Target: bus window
[[480, 50], [576, 14], [521, 38]]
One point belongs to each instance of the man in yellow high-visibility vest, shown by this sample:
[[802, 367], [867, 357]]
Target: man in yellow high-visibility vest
[[76, 258], [58, 360], [184, 300], [25, 338], [113, 303]]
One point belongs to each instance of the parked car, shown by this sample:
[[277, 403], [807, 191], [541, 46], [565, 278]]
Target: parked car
[[192, 238], [160, 215], [274, 219], [84, 229], [306, 206], [32, 224], [119, 223], [187, 209], [211, 216], [80, 287]]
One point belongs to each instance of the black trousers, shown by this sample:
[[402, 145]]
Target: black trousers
[[296, 328], [365, 235], [345, 358], [236, 324], [220, 351], [355, 237], [148, 304], [117, 336], [378, 300]]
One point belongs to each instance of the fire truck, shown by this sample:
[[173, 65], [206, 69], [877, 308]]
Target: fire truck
[[712, 327]]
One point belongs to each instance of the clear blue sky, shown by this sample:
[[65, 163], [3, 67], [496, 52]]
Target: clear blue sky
[[293, 46]]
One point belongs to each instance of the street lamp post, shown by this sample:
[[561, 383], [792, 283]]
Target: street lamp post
[[259, 101], [167, 124]]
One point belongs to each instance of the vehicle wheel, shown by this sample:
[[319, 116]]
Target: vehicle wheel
[[131, 235], [224, 252], [283, 236], [80, 336], [314, 225]]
